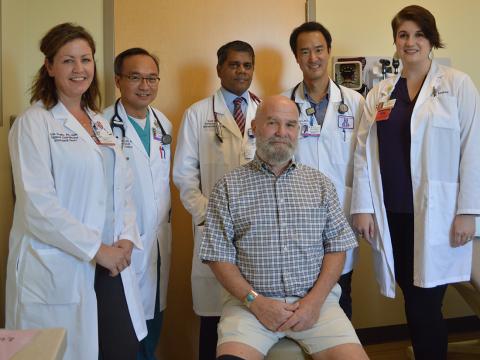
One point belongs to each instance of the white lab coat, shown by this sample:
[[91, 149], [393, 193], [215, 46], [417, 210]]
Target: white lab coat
[[445, 167], [332, 151], [200, 160], [151, 192], [57, 228]]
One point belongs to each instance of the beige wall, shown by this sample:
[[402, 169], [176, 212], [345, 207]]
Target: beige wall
[[23, 24], [186, 35], [362, 28]]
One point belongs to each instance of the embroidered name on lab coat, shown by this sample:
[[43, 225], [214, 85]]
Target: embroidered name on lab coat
[[210, 123], [127, 143], [63, 137]]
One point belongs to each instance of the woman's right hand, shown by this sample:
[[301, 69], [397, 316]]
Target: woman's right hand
[[112, 258], [364, 225]]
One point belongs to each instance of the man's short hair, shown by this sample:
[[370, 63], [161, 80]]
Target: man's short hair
[[120, 58], [236, 45], [310, 26]]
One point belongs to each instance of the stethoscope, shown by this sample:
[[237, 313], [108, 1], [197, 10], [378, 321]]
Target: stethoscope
[[219, 126], [342, 108], [117, 122]]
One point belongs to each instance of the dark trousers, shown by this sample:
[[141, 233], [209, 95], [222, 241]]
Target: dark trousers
[[148, 345], [345, 300], [423, 306], [116, 336], [207, 349]]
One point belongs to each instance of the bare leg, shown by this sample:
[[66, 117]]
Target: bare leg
[[342, 352], [238, 349]]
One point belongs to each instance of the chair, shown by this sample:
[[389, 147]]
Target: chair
[[471, 294], [287, 349]]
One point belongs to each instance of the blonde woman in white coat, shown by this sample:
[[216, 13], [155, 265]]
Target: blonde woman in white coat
[[417, 179], [74, 224]]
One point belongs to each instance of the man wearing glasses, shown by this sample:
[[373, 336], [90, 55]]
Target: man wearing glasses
[[145, 134]]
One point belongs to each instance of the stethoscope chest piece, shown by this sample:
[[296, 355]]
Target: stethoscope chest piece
[[166, 139], [342, 108]]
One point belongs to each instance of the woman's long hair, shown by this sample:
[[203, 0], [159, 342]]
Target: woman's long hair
[[43, 87]]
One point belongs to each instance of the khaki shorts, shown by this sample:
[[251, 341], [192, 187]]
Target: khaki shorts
[[333, 328]]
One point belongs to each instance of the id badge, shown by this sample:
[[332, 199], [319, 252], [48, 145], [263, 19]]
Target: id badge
[[314, 130], [384, 109], [104, 136], [346, 122], [249, 151]]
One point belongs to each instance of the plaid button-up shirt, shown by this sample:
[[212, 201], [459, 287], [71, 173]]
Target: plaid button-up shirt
[[275, 229]]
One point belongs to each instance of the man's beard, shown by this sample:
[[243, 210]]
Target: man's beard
[[276, 154]]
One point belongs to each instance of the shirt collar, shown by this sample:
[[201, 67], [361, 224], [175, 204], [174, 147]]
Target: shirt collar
[[305, 93], [230, 97], [261, 165]]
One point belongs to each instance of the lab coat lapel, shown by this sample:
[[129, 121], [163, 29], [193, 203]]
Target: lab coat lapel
[[130, 131], [153, 142], [334, 100], [431, 82], [61, 113], [301, 101], [224, 116], [334, 93]]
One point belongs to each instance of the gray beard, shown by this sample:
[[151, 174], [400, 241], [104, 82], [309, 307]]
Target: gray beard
[[275, 154]]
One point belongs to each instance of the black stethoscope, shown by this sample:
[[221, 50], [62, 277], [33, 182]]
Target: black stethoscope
[[342, 108], [117, 122], [219, 126]]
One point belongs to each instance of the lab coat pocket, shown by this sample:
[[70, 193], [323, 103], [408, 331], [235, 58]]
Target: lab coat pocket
[[341, 143], [164, 238], [444, 112], [443, 139], [49, 276], [139, 257], [442, 205]]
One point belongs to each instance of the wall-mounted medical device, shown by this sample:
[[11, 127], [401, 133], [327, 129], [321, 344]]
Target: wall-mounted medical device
[[349, 74], [369, 70], [362, 73]]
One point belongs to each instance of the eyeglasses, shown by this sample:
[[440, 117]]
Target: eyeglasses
[[137, 79]]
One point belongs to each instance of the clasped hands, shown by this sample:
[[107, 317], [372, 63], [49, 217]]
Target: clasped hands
[[116, 257], [276, 315]]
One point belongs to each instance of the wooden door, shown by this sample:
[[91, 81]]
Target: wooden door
[[185, 35]]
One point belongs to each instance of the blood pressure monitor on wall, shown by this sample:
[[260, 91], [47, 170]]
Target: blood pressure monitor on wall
[[348, 74], [361, 73]]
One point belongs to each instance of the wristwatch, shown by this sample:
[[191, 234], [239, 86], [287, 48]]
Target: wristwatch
[[251, 296]]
